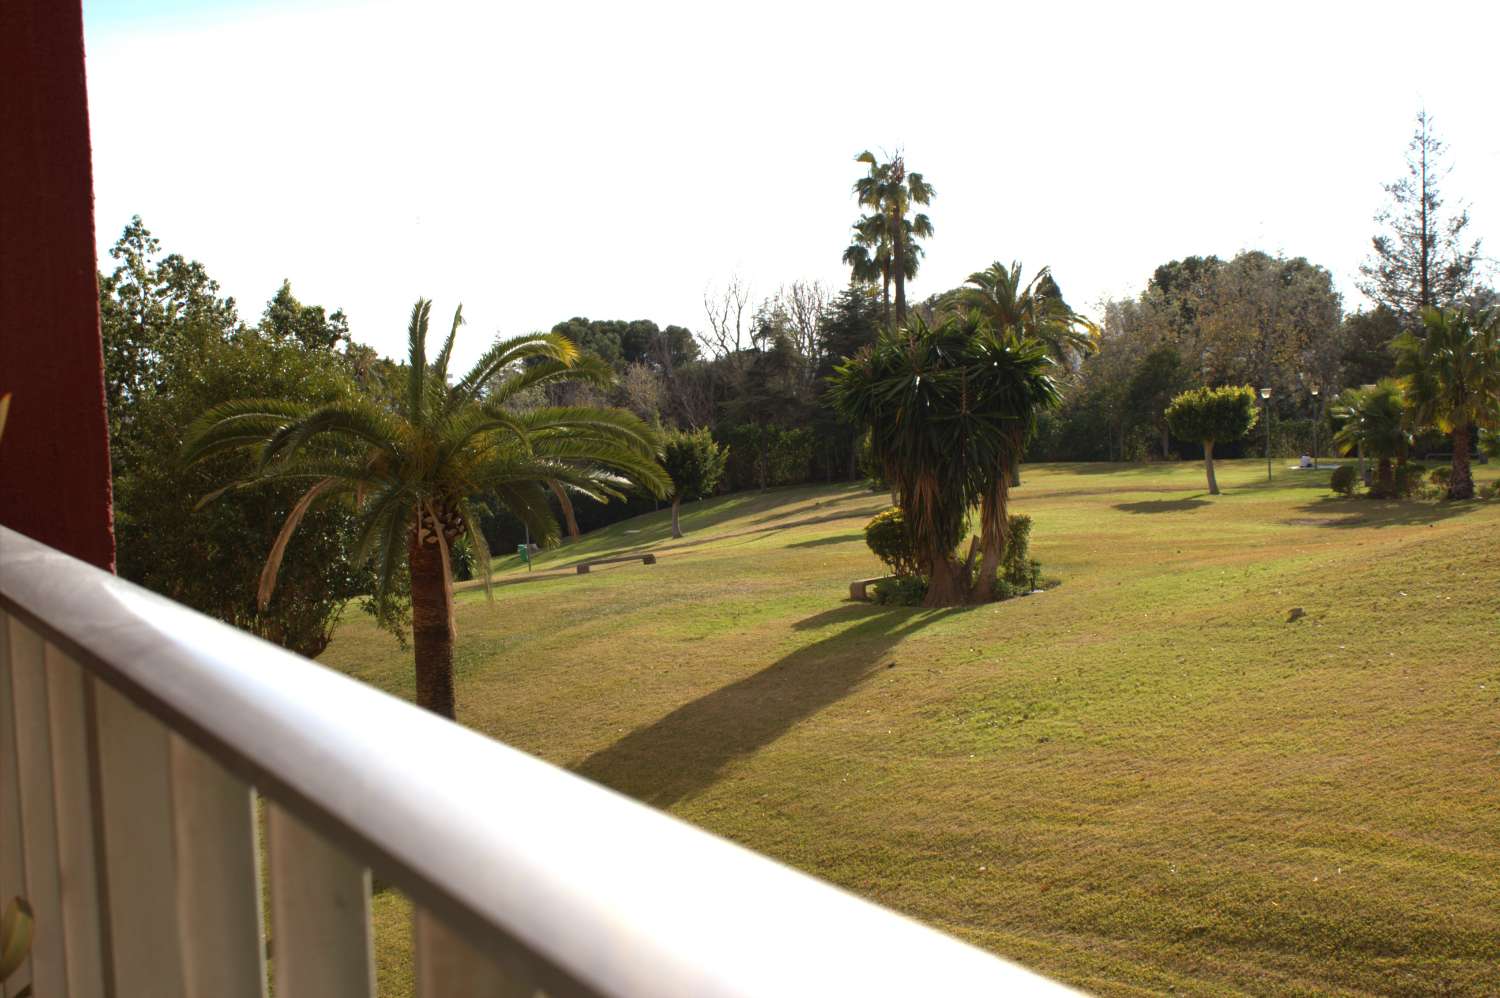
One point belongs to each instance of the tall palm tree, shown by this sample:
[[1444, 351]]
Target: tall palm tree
[[1375, 418], [871, 256], [891, 190], [1036, 308], [1451, 371], [410, 467], [1009, 383]]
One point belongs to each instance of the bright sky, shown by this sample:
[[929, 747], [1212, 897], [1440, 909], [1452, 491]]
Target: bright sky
[[546, 160]]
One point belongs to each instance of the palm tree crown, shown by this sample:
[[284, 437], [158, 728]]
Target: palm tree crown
[[1451, 372], [412, 465], [1375, 418], [890, 191], [1036, 308]]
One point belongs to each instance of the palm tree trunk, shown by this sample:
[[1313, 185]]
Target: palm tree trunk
[[1461, 481], [993, 525], [676, 505], [431, 625], [1385, 479], [898, 264], [944, 585], [1208, 462], [567, 509]]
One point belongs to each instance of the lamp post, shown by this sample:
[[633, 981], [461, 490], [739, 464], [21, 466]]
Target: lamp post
[[1317, 417], [1364, 472], [1265, 397]]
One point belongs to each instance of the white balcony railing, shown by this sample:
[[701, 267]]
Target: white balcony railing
[[135, 734]]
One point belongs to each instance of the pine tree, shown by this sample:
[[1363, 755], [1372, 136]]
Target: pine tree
[[1422, 259]]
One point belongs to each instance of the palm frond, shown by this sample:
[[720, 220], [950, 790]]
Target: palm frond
[[238, 424], [478, 544], [416, 385], [348, 420], [272, 566], [507, 352], [440, 366]]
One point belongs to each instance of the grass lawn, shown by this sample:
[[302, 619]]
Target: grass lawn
[[1145, 780]]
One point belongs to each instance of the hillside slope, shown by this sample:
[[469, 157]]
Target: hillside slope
[[1146, 779]]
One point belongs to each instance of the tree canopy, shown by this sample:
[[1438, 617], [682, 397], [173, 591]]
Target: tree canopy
[[412, 466], [1212, 415], [1450, 370], [695, 463]]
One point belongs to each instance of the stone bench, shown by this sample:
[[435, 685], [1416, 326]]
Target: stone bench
[[859, 588], [644, 559]]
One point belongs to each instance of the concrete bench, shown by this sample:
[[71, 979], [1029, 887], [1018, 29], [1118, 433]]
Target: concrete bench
[[644, 559], [859, 588]]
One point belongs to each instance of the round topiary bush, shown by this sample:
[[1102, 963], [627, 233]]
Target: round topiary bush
[[1344, 477], [886, 535]]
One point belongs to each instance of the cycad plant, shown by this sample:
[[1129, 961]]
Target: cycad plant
[[1451, 371], [1375, 417], [410, 467]]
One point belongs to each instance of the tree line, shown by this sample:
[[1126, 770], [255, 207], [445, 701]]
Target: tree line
[[744, 402]]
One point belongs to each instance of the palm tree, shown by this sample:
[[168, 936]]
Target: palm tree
[[948, 406], [1009, 382], [869, 258], [410, 466], [891, 191], [1036, 308], [1452, 377], [1375, 418]]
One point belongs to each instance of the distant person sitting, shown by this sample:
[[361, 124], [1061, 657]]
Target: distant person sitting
[[1306, 462]]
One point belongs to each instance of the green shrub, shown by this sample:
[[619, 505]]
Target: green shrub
[[904, 590], [1408, 478], [1440, 476], [790, 456], [1344, 479], [1015, 563], [1490, 491], [886, 535]]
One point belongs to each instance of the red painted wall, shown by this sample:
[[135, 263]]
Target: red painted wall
[[54, 455]]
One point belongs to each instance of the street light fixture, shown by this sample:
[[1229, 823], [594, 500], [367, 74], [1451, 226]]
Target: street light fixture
[[1265, 397], [1317, 418]]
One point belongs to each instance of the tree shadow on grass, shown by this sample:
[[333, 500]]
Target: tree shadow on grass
[[685, 751], [1161, 505], [818, 542], [1339, 511]]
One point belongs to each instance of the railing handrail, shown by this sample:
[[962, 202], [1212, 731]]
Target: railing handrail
[[614, 895]]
